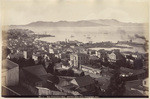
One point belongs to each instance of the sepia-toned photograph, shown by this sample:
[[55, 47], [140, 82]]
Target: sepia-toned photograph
[[75, 48]]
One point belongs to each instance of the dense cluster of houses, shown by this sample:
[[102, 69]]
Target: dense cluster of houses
[[76, 70]]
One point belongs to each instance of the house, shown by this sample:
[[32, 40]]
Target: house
[[35, 56], [51, 50], [67, 87], [38, 81], [112, 57], [10, 73], [102, 54], [92, 52], [84, 84], [145, 82], [85, 81], [88, 68], [99, 52], [27, 54], [136, 88], [78, 59]]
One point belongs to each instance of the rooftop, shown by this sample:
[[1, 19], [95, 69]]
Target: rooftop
[[8, 64], [83, 81], [37, 70]]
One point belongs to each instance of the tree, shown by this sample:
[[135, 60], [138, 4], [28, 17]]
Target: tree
[[116, 86], [50, 68], [30, 62], [97, 89]]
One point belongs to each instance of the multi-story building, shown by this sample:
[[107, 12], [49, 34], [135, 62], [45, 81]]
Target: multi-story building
[[78, 59]]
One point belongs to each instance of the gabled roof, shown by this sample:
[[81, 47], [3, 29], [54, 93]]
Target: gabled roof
[[36, 70], [8, 64], [83, 81]]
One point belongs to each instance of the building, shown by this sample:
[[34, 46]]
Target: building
[[91, 52], [51, 50], [27, 54], [88, 68], [102, 54], [67, 87], [85, 85], [10, 73], [112, 57], [94, 58], [38, 81], [84, 81], [65, 55], [78, 59], [35, 57], [146, 82], [136, 88]]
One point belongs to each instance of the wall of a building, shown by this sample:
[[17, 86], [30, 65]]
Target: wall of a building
[[11, 77]]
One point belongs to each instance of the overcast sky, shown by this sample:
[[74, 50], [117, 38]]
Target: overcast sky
[[19, 12]]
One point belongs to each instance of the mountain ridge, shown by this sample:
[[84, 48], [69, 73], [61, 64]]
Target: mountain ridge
[[81, 23]]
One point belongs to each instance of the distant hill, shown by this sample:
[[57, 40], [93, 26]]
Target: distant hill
[[82, 23], [115, 22], [64, 24]]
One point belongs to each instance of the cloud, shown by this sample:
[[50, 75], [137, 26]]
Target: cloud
[[111, 13], [26, 11]]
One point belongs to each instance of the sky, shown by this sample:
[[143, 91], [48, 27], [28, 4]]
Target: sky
[[20, 12]]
